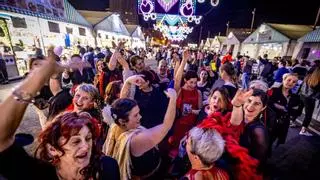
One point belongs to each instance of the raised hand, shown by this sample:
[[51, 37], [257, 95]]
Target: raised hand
[[186, 55], [136, 80], [241, 97], [171, 94], [76, 64]]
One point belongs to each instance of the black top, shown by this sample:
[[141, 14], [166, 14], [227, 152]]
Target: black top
[[231, 90], [41, 101], [15, 163], [145, 164], [59, 102], [153, 106], [255, 139]]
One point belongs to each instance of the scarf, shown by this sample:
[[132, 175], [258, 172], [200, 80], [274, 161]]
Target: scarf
[[119, 148], [101, 88], [246, 166]]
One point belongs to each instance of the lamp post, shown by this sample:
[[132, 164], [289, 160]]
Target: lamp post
[[252, 21]]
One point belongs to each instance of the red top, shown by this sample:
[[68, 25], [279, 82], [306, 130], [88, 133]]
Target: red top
[[213, 173]]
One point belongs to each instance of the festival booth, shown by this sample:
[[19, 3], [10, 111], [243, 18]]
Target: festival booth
[[207, 44], [218, 44], [111, 29], [35, 26], [308, 46], [276, 40], [235, 38], [137, 37]]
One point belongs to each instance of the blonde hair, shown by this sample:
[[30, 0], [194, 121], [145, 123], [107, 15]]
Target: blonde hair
[[313, 79], [285, 76]]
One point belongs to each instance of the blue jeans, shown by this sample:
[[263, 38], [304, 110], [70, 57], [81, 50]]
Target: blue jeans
[[245, 81]]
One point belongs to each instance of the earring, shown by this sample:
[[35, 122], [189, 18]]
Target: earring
[[55, 160]]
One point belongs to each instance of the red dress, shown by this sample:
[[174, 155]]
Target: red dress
[[213, 173], [187, 101]]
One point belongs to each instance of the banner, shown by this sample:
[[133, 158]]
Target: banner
[[54, 8]]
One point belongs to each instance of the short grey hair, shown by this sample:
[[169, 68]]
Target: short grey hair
[[259, 84], [208, 144]]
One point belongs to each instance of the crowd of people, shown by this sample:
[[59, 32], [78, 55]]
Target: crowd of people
[[106, 115]]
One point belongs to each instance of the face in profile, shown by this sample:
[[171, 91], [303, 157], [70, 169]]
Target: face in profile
[[133, 118]]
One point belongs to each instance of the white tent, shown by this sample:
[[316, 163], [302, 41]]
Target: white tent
[[138, 39], [111, 29]]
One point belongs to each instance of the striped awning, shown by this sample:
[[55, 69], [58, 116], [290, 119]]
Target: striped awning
[[313, 36]]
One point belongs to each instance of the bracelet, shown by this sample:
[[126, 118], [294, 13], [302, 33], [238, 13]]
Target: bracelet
[[23, 96]]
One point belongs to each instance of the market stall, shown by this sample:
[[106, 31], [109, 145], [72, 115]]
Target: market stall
[[137, 37], [235, 38], [39, 25], [111, 29], [218, 44], [308, 46], [274, 40]]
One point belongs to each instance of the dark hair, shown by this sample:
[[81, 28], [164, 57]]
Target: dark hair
[[263, 96], [82, 50], [148, 76], [90, 49], [265, 56], [283, 62], [134, 59], [67, 125], [230, 70], [112, 90], [190, 75], [289, 62], [31, 61], [98, 49], [120, 109], [75, 56]]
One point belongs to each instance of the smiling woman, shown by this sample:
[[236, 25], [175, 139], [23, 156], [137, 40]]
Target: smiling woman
[[67, 146]]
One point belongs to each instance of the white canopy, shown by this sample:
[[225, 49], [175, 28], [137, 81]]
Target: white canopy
[[112, 24]]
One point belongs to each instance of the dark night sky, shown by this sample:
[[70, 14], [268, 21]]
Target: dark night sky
[[238, 12]]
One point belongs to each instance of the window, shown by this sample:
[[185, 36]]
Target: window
[[54, 27], [69, 30], [82, 31], [18, 22]]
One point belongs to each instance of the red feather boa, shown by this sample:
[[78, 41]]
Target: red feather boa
[[246, 167]]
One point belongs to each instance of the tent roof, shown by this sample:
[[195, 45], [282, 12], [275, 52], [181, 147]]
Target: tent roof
[[131, 28], [94, 17], [291, 31], [241, 33], [112, 23], [221, 39], [313, 36]]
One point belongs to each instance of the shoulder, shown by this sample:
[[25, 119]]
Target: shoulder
[[110, 168]]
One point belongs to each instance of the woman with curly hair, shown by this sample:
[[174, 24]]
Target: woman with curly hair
[[67, 146]]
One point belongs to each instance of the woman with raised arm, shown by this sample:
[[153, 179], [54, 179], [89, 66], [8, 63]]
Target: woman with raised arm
[[247, 111], [66, 148], [189, 102], [133, 146]]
